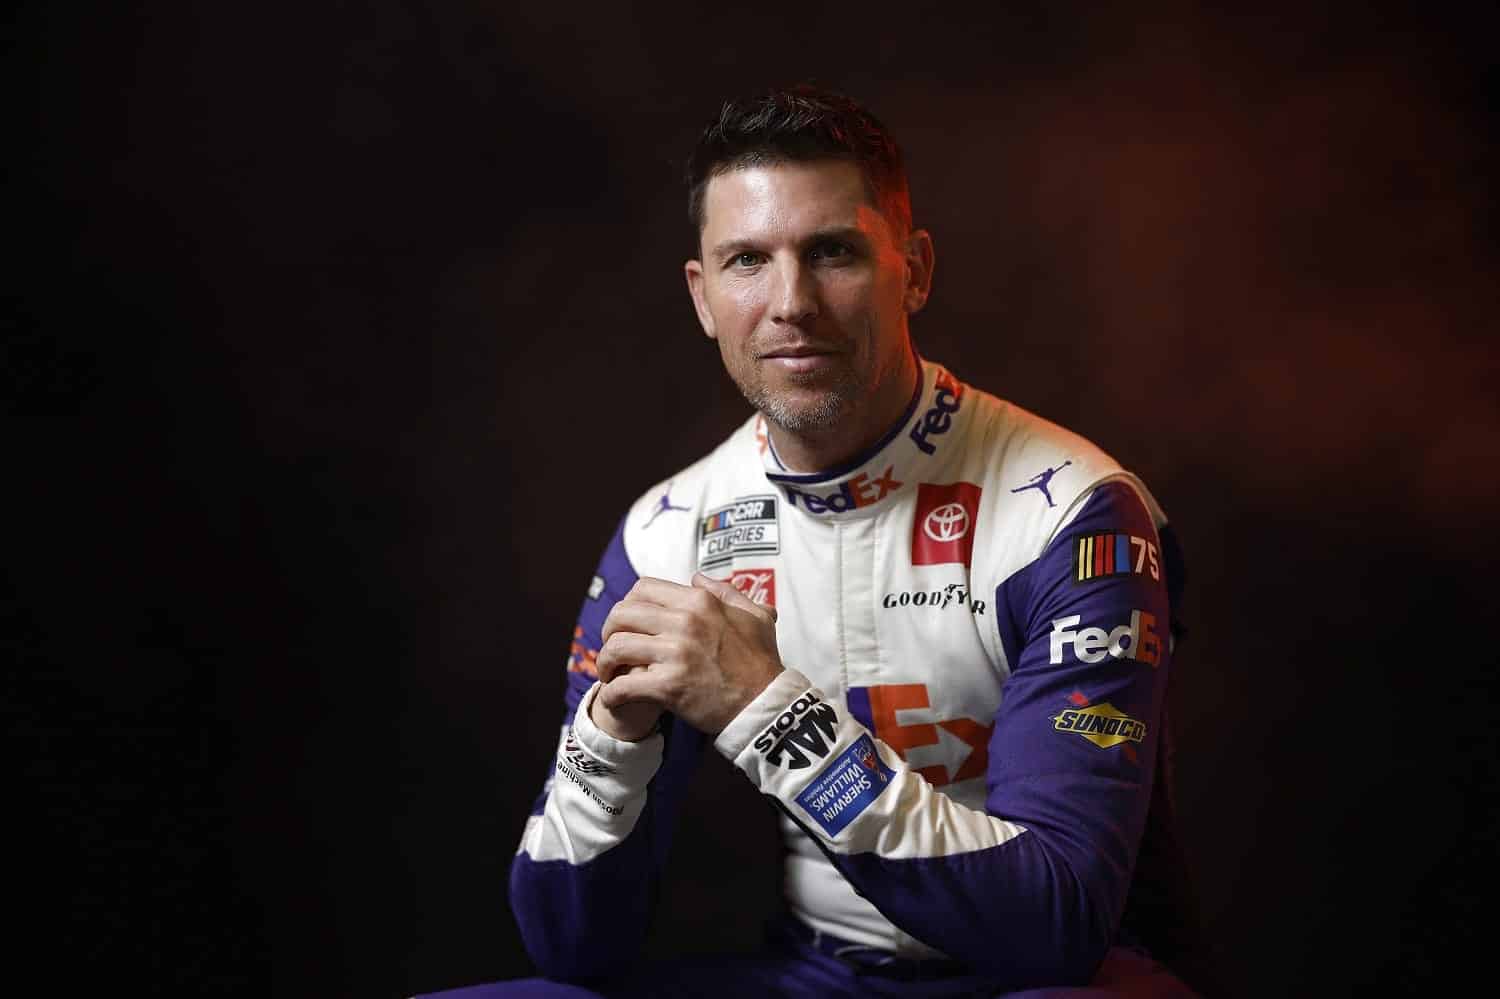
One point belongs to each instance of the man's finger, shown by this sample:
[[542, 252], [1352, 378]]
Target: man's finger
[[640, 616], [663, 592], [636, 685], [731, 595], [626, 650]]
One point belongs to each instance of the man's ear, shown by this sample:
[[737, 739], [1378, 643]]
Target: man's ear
[[693, 271], [919, 263]]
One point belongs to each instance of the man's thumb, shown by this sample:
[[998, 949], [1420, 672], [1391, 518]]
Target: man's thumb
[[730, 594]]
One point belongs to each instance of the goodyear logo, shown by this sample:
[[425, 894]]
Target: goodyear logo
[[1102, 724]]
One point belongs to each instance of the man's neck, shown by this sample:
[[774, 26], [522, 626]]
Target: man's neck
[[819, 450]]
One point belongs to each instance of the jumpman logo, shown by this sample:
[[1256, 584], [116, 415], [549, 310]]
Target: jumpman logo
[[1040, 480], [662, 506]]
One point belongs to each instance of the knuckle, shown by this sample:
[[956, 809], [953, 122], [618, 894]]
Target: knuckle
[[697, 630], [608, 651], [681, 623]]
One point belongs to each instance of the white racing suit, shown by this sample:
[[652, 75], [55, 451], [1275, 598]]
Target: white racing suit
[[974, 619]]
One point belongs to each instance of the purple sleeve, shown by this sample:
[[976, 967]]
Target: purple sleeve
[[1085, 629], [586, 920]]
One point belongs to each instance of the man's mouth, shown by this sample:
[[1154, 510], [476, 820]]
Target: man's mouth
[[802, 358], [798, 350]]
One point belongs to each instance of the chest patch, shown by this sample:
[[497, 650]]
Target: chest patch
[[748, 526]]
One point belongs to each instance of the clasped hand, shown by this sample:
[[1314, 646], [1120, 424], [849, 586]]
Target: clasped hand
[[702, 652]]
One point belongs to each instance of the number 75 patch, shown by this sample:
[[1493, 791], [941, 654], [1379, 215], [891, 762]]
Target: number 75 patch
[[1099, 556]]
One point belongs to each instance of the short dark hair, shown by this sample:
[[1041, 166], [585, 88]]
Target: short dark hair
[[800, 124]]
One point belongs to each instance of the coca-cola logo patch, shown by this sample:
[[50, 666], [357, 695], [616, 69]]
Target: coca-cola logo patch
[[757, 584]]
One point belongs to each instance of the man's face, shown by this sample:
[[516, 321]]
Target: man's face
[[806, 289]]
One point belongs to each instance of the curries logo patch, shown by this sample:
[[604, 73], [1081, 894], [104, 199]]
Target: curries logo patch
[[838, 795], [748, 526], [943, 528]]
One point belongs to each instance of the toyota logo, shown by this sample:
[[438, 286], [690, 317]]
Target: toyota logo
[[948, 522]]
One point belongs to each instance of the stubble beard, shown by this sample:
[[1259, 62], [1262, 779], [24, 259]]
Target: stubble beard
[[826, 410]]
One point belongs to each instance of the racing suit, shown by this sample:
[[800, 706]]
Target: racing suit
[[974, 620]]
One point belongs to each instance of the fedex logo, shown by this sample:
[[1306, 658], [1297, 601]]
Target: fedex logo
[[1136, 640], [857, 492], [936, 421], [943, 750]]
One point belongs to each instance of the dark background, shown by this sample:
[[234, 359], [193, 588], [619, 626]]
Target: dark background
[[342, 335]]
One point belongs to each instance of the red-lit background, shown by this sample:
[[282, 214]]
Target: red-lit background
[[344, 337]]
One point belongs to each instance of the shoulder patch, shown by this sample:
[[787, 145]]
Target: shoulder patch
[[1100, 556]]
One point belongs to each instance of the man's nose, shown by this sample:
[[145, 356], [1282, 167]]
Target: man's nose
[[794, 293]]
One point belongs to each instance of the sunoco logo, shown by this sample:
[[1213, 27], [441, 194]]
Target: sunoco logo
[[748, 526], [1102, 724], [802, 732], [952, 595]]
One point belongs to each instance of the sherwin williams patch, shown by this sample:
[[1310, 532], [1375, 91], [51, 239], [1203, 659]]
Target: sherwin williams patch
[[838, 795]]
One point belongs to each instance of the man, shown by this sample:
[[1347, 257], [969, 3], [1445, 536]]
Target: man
[[931, 627]]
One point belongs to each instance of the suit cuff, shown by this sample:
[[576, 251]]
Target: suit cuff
[[761, 712], [626, 767]]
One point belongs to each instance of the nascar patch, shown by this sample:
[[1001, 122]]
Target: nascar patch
[[1099, 556], [748, 526], [838, 795], [1102, 724]]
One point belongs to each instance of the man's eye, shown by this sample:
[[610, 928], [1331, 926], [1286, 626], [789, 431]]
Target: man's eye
[[830, 251], [746, 259]]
